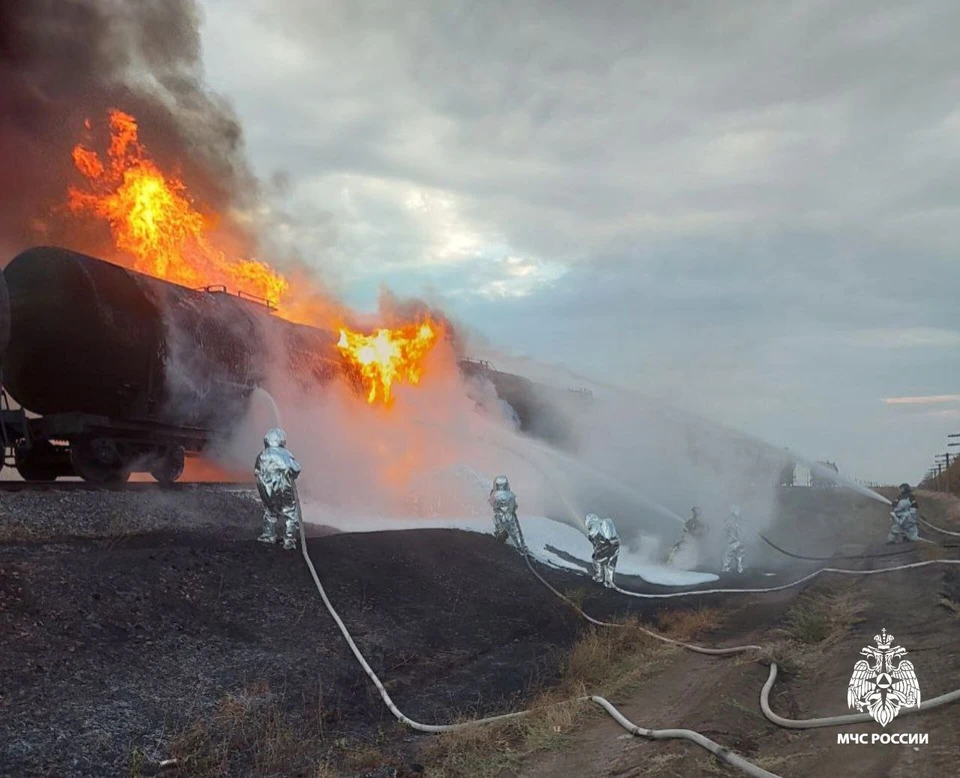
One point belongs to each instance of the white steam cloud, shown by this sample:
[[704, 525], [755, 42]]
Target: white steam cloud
[[436, 450]]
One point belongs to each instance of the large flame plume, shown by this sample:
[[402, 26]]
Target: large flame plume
[[158, 228], [389, 356], [153, 220]]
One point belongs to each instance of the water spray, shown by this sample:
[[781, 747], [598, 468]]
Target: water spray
[[687, 416], [274, 409], [619, 485]]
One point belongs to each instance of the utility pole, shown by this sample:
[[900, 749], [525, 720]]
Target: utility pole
[[943, 461], [943, 477]]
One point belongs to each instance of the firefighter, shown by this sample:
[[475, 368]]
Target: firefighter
[[903, 520], [606, 548], [276, 471], [505, 522], [906, 493], [693, 530], [735, 550]]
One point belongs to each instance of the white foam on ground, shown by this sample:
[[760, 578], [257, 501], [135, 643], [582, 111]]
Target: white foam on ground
[[539, 532]]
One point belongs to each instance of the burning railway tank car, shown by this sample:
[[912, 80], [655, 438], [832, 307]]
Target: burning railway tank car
[[130, 372], [4, 316], [115, 371]]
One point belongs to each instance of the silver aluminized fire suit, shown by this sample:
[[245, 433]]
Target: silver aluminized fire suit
[[276, 471], [903, 522], [504, 504], [693, 530], [735, 548], [602, 533]]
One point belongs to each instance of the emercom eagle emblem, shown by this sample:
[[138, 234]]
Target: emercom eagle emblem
[[883, 688]]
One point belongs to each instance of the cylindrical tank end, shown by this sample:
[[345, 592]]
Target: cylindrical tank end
[[4, 316]]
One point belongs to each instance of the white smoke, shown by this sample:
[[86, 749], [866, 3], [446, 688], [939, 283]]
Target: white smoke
[[435, 451], [427, 455]]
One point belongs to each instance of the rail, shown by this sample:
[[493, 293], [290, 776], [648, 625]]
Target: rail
[[240, 295]]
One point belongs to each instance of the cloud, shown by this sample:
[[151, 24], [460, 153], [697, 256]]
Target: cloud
[[928, 400], [749, 207], [911, 337]]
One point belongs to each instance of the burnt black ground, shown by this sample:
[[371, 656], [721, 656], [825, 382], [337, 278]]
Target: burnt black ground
[[115, 638], [115, 644]]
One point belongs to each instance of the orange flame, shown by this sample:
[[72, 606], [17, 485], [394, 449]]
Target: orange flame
[[154, 222], [153, 219], [389, 355]]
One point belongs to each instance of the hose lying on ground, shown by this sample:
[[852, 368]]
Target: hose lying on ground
[[811, 576], [941, 530], [878, 555], [834, 721], [663, 638], [665, 734], [695, 737]]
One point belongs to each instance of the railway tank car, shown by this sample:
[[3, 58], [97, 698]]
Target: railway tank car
[[131, 371], [115, 371], [4, 316]]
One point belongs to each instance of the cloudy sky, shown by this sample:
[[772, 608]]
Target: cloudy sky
[[752, 208]]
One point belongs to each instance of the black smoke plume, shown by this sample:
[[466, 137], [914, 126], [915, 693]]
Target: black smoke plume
[[65, 61]]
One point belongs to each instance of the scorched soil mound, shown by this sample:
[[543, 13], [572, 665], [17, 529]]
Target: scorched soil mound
[[117, 634]]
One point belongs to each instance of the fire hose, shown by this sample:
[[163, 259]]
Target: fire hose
[[719, 751], [666, 734], [837, 721], [652, 734], [810, 577], [941, 530], [656, 636], [855, 556], [716, 749]]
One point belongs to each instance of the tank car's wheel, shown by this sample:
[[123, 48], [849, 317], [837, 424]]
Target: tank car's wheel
[[169, 466], [32, 462], [98, 461]]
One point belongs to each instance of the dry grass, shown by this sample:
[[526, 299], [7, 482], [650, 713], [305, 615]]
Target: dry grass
[[712, 766], [689, 624], [603, 661], [823, 618], [790, 656], [325, 770], [774, 762], [950, 478], [252, 728], [951, 605], [661, 765], [576, 596], [364, 757], [813, 624]]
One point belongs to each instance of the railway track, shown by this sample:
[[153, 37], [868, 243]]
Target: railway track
[[133, 486]]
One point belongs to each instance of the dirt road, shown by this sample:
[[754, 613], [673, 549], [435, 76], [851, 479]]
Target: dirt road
[[921, 608]]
